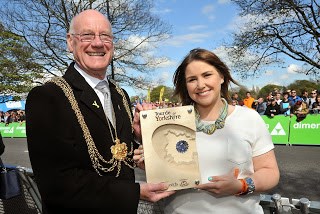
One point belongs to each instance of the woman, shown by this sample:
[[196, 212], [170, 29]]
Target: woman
[[316, 105], [235, 150], [300, 109], [285, 104]]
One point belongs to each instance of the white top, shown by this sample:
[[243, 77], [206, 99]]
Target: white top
[[244, 136]]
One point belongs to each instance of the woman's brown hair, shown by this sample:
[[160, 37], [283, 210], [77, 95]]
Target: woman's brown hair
[[206, 56]]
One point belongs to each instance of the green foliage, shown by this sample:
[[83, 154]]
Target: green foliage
[[301, 85], [264, 91], [17, 69]]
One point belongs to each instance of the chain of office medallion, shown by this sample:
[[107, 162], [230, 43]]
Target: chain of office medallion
[[94, 154]]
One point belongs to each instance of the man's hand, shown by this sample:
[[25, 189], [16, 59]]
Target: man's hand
[[154, 192]]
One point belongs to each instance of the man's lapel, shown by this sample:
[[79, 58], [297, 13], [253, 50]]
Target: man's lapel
[[84, 93]]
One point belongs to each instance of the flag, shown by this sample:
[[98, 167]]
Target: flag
[[161, 94], [148, 96]]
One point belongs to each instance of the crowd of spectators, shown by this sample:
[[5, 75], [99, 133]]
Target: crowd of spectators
[[12, 116], [287, 103]]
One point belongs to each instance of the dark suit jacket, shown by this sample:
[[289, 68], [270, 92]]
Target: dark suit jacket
[[59, 156], [1, 145]]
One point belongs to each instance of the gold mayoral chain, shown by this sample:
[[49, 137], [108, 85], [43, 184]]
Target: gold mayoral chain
[[218, 124], [119, 150]]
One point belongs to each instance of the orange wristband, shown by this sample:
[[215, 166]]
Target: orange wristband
[[244, 188]]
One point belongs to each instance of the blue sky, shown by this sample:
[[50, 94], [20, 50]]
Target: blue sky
[[206, 24]]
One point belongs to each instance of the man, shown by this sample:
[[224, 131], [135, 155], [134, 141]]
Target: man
[[278, 98], [85, 165], [248, 100], [294, 97], [260, 106], [273, 109]]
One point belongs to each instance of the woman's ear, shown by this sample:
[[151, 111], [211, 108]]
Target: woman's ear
[[222, 81]]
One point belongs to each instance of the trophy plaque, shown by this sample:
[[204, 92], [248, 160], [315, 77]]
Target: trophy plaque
[[169, 144]]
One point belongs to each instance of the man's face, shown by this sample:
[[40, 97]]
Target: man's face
[[91, 56]]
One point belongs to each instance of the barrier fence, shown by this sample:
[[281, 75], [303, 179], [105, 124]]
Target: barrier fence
[[29, 202], [283, 129]]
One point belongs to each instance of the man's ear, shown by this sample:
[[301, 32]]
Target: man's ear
[[69, 43]]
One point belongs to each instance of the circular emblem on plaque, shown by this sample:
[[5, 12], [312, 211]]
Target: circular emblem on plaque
[[182, 146]]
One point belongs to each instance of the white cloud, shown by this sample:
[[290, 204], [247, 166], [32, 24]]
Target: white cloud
[[284, 76], [178, 41], [197, 27], [208, 11], [293, 69], [224, 1], [162, 11], [165, 76]]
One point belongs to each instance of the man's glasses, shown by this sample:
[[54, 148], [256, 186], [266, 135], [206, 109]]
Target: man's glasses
[[89, 37], [313, 93], [293, 92]]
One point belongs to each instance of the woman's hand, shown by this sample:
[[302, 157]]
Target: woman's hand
[[223, 185], [138, 157]]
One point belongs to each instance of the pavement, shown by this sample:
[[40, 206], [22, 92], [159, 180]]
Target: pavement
[[299, 167]]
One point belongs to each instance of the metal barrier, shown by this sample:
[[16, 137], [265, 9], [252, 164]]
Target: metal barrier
[[29, 202], [275, 204]]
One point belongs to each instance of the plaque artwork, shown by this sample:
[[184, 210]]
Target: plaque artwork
[[169, 144]]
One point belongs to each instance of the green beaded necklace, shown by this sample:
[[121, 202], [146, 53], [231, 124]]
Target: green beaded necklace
[[218, 124]]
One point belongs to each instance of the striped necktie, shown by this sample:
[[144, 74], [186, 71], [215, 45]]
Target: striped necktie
[[103, 87]]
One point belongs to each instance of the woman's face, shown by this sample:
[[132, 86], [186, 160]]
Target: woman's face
[[203, 83]]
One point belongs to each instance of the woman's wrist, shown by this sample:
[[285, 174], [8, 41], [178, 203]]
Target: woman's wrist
[[247, 186]]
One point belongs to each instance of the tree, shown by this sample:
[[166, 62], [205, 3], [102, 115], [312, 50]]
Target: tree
[[301, 85], [265, 90], [44, 24], [274, 29], [17, 71]]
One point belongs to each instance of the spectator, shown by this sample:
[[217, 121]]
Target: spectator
[[305, 98], [316, 105], [7, 118], [270, 96], [294, 97], [234, 102], [235, 96], [273, 109], [300, 109], [285, 104], [248, 100], [1, 117], [260, 106], [312, 98], [278, 98]]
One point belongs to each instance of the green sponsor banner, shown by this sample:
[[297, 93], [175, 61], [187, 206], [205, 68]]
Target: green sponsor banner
[[278, 128], [306, 132], [13, 130]]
